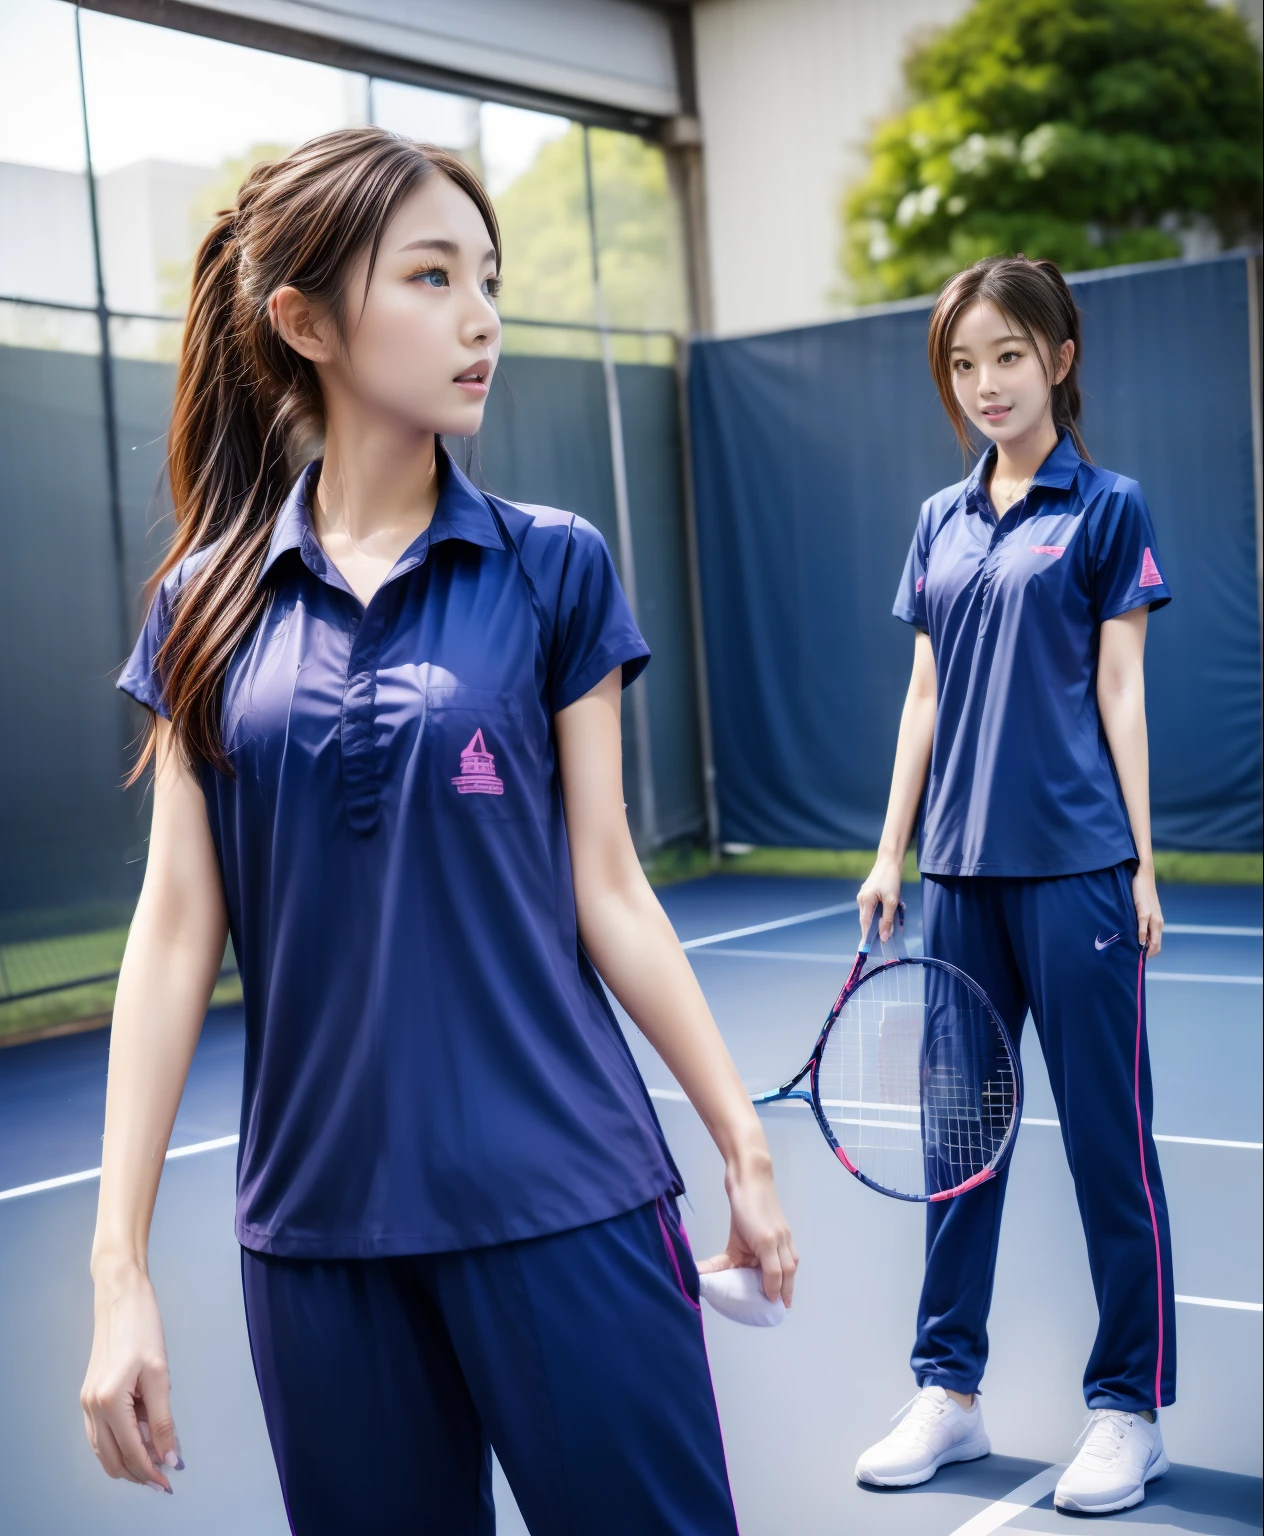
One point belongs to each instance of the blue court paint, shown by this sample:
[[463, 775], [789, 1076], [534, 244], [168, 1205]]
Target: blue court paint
[[796, 1404]]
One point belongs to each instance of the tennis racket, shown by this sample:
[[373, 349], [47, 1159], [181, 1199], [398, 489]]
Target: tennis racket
[[914, 1080]]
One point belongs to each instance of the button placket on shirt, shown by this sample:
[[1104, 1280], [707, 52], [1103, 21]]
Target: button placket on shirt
[[359, 760], [361, 773], [992, 560]]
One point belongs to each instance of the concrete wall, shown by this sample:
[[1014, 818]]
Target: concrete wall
[[787, 92]]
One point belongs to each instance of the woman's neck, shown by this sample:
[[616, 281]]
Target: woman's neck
[[1018, 461], [378, 479]]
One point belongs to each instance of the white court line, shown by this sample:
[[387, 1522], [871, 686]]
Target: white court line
[[1003, 1511], [1212, 928], [843, 960], [1211, 1301], [675, 1096], [1189, 1141], [781, 922], [671, 1095], [95, 1173], [1240, 981]]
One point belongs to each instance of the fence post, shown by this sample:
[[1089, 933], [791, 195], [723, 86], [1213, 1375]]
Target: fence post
[[108, 408], [647, 806], [1253, 342], [702, 687]]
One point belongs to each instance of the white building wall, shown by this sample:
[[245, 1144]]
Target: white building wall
[[788, 91], [46, 251], [148, 235]]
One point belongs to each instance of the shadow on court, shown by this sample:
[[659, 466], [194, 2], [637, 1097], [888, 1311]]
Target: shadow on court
[[798, 1403]]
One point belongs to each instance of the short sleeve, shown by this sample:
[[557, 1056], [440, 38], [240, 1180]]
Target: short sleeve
[[1125, 567], [140, 676], [595, 631], [910, 600]]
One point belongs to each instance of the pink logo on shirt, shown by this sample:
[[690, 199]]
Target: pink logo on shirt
[[478, 770], [1149, 571], [1056, 550], [921, 582]]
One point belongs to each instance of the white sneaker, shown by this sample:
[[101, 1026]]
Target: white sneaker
[[932, 1433], [1121, 1453]]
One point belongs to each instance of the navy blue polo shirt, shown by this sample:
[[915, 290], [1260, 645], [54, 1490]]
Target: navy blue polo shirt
[[1021, 779], [431, 1062]]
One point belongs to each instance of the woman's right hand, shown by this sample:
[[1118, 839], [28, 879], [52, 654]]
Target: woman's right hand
[[126, 1392], [883, 885]]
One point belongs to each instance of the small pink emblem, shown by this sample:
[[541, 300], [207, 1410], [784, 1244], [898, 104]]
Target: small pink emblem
[[1149, 571], [1056, 550], [478, 770], [921, 582]]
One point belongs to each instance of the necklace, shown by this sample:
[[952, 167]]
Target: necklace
[[1015, 491]]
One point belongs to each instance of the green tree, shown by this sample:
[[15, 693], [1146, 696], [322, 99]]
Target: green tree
[[1092, 132], [544, 222]]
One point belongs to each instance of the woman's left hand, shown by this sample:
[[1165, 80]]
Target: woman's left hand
[[1149, 914], [759, 1234]]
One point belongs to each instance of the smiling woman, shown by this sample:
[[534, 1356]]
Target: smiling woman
[[1029, 586]]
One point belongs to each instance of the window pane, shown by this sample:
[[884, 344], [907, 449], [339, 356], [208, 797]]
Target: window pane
[[434, 117], [176, 123], [535, 172], [46, 252], [55, 330], [638, 233]]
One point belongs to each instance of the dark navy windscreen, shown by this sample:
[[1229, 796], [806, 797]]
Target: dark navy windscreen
[[1021, 780], [431, 1062]]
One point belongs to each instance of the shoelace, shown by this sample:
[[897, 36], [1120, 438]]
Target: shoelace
[[1113, 1423], [920, 1410]]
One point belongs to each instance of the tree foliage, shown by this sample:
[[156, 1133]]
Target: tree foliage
[[544, 221], [1092, 132]]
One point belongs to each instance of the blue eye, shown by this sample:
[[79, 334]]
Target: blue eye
[[433, 277]]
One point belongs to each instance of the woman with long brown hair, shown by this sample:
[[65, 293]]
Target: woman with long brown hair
[[385, 741], [1023, 743]]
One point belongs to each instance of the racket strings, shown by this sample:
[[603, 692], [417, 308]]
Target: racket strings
[[917, 1081]]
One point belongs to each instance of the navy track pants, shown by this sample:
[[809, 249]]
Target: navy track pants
[[1065, 948], [579, 1357]]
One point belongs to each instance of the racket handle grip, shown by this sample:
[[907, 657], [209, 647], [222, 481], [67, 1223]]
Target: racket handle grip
[[897, 931]]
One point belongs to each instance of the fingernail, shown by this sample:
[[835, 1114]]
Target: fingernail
[[157, 1487], [171, 1459]]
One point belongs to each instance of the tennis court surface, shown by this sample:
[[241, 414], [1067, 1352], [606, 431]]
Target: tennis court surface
[[799, 1403]]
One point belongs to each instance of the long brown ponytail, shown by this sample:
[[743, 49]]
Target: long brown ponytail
[[1035, 297], [245, 402]]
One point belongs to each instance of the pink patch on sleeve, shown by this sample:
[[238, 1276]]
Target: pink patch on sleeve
[[1056, 550], [921, 582], [1149, 571]]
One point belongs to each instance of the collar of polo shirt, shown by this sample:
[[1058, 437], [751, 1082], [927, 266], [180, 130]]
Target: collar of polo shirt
[[1058, 470], [461, 513]]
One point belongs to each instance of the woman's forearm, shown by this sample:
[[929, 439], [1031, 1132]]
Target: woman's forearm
[[173, 955], [1121, 704], [1123, 717], [627, 936], [164, 988], [912, 753]]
